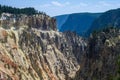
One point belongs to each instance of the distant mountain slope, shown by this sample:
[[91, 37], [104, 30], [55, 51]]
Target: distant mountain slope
[[110, 18], [78, 22], [61, 20]]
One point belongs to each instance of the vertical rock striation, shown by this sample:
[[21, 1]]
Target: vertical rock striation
[[101, 61], [31, 48]]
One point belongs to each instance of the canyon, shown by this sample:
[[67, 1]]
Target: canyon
[[31, 48]]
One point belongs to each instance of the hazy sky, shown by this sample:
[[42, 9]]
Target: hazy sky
[[58, 7]]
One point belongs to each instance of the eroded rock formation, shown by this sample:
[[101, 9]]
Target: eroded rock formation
[[31, 48], [100, 62]]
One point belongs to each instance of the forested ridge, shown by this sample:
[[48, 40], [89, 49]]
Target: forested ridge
[[14, 10]]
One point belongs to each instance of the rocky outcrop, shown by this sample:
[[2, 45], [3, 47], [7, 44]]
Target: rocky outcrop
[[32, 49], [39, 21], [100, 60]]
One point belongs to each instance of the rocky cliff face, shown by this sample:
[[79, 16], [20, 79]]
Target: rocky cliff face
[[100, 60], [39, 21], [32, 49]]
